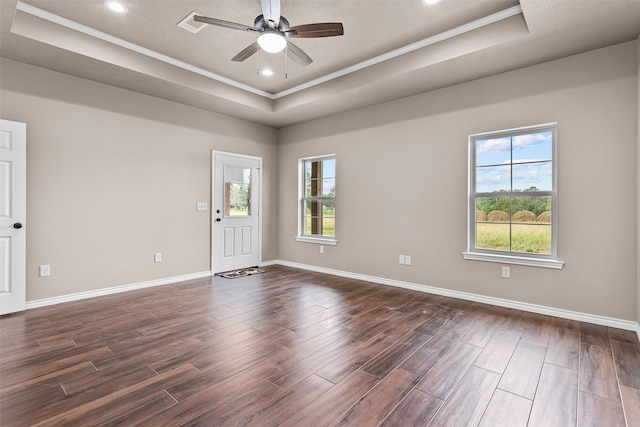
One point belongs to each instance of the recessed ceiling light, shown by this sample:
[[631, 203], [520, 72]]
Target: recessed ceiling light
[[430, 2], [116, 6], [266, 72]]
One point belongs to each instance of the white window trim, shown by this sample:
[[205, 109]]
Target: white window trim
[[319, 240], [301, 237], [511, 259], [544, 261]]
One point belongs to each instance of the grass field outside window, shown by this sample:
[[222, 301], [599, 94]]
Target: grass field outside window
[[524, 238]]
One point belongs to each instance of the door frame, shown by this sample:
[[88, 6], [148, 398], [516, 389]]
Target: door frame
[[214, 153]]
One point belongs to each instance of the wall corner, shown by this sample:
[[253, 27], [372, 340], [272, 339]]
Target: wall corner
[[638, 187]]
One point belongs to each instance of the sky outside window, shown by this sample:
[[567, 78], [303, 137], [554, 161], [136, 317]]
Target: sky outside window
[[531, 155]]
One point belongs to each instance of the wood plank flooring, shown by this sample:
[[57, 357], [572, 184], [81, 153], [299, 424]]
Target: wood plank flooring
[[296, 348]]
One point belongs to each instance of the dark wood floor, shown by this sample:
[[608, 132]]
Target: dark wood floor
[[295, 348]]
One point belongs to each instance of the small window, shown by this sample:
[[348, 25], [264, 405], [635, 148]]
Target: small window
[[512, 196], [317, 210], [237, 191]]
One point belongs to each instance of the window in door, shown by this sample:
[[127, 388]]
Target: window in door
[[237, 191]]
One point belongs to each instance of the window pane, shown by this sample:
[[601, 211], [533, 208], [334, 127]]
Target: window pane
[[532, 147], [309, 181], [320, 178], [238, 202], [531, 209], [328, 209], [493, 209], [493, 178], [328, 187], [313, 207], [314, 187], [493, 151], [329, 168], [320, 218], [329, 227], [237, 191], [313, 217], [533, 177], [493, 237], [312, 224], [533, 239]]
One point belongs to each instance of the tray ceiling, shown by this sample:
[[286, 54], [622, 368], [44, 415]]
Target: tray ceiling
[[390, 49]]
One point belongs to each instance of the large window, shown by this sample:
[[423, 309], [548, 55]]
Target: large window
[[512, 196], [317, 211]]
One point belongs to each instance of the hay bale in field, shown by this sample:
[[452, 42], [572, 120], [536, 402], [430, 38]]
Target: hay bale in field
[[481, 216], [545, 217], [524, 216], [498, 216]]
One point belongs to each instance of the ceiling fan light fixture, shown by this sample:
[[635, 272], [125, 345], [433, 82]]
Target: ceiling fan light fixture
[[271, 41], [116, 6]]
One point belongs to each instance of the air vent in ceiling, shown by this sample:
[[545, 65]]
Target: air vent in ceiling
[[190, 25]]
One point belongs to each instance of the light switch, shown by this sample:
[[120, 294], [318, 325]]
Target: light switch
[[202, 206]]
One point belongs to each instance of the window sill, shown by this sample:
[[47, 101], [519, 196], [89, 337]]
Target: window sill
[[511, 259], [318, 240]]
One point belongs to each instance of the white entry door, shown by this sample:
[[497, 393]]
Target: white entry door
[[235, 211], [13, 213]]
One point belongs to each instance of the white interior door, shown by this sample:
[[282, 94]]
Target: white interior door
[[235, 212], [13, 213]]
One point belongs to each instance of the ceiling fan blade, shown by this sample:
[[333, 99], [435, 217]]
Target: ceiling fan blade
[[221, 23], [271, 11], [325, 29], [246, 53], [297, 55]]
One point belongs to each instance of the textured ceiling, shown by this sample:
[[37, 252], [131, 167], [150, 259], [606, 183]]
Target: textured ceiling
[[390, 49]]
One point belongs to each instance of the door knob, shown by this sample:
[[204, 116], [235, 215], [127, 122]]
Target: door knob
[[17, 225]]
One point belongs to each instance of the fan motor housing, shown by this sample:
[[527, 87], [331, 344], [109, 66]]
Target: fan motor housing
[[261, 24]]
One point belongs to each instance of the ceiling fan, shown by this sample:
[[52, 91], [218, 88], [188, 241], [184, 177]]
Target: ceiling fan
[[273, 29]]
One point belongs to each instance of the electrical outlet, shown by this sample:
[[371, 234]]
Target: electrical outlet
[[506, 272], [45, 270], [321, 249], [407, 260], [157, 257]]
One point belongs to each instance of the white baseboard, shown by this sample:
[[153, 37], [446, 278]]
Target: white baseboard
[[556, 312], [540, 309], [114, 290]]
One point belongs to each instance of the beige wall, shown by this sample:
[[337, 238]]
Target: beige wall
[[114, 176], [402, 183], [638, 191]]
